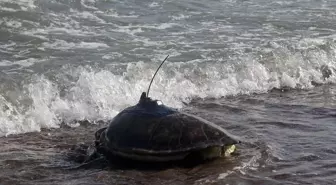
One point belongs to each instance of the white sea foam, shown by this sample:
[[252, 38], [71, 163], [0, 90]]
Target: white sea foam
[[129, 30], [166, 25], [23, 63], [179, 17], [111, 56], [23, 4], [63, 45], [88, 4], [138, 28], [87, 15], [5, 63], [44, 33], [28, 62], [36, 34], [153, 5], [8, 46], [114, 13], [12, 23], [8, 9], [69, 31], [224, 175]]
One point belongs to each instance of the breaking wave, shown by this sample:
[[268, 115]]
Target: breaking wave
[[88, 93]]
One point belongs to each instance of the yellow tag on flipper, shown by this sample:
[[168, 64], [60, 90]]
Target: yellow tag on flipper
[[229, 150]]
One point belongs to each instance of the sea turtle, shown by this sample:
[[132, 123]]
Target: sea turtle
[[153, 132]]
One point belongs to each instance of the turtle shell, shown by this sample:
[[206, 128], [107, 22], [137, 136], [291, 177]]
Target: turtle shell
[[151, 130]]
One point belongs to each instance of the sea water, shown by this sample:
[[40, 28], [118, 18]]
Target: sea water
[[256, 68]]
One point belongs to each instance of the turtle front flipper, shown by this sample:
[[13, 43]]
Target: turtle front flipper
[[91, 154], [88, 156], [99, 132], [98, 163], [94, 158]]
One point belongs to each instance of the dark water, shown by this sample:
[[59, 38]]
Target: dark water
[[288, 139], [252, 67]]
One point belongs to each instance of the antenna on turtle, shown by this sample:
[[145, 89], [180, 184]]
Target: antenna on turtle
[[155, 74]]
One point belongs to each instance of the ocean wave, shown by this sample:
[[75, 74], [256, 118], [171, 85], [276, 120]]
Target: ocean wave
[[87, 93]]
